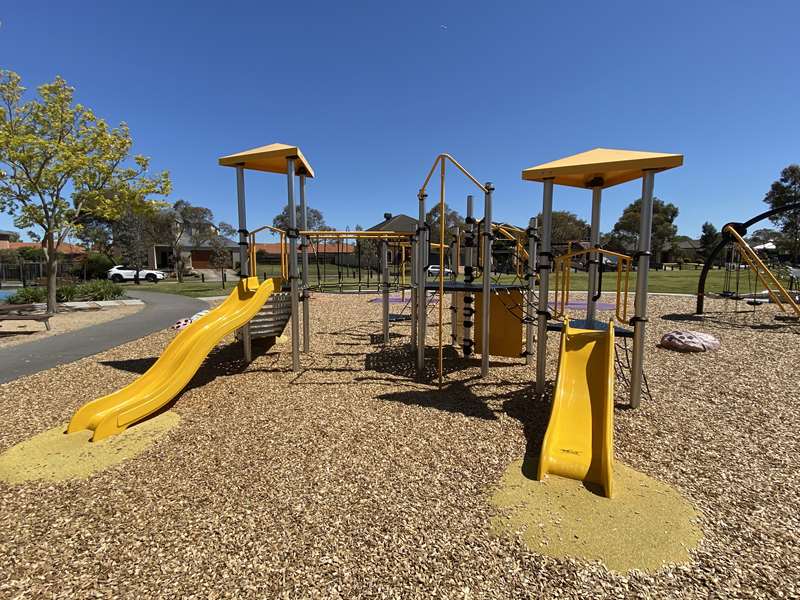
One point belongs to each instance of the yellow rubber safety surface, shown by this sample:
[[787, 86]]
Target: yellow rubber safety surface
[[647, 525], [579, 441], [55, 456], [163, 381]]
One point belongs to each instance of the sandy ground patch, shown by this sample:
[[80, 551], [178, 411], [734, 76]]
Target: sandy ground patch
[[19, 332]]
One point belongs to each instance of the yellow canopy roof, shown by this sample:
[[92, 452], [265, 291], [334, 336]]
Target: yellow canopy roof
[[611, 166], [271, 158]]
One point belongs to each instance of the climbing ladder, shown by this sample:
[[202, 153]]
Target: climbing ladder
[[776, 292]]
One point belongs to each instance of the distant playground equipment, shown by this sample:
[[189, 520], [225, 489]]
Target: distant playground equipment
[[738, 252]]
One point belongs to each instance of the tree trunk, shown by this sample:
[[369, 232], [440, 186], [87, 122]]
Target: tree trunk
[[52, 269], [178, 265]]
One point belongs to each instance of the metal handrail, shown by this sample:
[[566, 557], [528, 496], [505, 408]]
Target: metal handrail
[[561, 273], [284, 257], [765, 276]]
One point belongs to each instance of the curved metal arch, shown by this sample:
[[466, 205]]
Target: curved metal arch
[[741, 229]]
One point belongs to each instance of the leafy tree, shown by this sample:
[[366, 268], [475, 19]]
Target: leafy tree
[[220, 251], [566, 227], [783, 192], [452, 220], [626, 230], [135, 233], [31, 254], [315, 219], [180, 226], [13, 237], [709, 238], [61, 162]]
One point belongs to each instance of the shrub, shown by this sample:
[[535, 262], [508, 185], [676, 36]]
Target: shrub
[[67, 293], [31, 254], [28, 295], [97, 265], [99, 289]]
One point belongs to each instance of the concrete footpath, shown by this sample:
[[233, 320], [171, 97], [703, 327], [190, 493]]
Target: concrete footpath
[[160, 311]]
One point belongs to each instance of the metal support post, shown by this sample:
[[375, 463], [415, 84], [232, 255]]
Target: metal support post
[[532, 247], [293, 291], [487, 278], [594, 257], [640, 302], [414, 292], [304, 245], [244, 266], [384, 248], [544, 265]]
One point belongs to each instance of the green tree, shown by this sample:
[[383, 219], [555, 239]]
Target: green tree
[[783, 192], [626, 230], [566, 227], [134, 235], [709, 238], [452, 221], [61, 162], [315, 219], [182, 226], [13, 237], [220, 250]]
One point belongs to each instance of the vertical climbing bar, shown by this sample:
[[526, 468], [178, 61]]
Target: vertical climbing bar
[[532, 247], [544, 265], [292, 234], [304, 247], [640, 302], [384, 249], [422, 294], [594, 257], [487, 278], [469, 277], [414, 293], [244, 266]]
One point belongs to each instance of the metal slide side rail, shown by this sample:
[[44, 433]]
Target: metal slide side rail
[[561, 272], [762, 272]]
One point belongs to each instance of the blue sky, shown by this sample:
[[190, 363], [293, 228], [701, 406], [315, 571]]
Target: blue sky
[[373, 91]]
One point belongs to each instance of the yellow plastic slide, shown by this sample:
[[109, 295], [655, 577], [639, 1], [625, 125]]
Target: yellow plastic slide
[[163, 381], [579, 441]]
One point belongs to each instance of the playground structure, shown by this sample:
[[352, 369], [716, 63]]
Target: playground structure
[[579, 438], [739, 250]]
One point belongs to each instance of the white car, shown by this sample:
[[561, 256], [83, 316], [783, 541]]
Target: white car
[[433, 271], [121, 273]]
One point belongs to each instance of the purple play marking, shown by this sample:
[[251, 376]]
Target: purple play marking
[[392, 300], [599, 305]]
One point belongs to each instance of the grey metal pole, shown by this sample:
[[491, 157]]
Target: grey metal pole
[[422, 294], [487, 278], [385, 288], [292, 235], [469, 278], [532, 234], [244, 266], [414, 293], [545, 262], [304, 253], [640, 302], [594, 257]]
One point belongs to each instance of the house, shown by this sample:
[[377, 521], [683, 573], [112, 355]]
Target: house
[[6, 243], [5, 238], [402, 223], [196, 255], [682, 248]]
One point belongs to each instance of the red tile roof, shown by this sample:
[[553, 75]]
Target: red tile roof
[[63, 247]]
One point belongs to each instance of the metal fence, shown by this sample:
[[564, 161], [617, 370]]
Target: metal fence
[[34, 273]]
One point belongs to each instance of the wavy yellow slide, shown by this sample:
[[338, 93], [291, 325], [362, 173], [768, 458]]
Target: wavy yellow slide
[[579, 442], [163, 381]]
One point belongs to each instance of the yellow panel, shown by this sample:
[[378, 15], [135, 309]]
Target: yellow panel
[[505, 323], [163, 381], [579, 440], [271, 158], [611, 166]]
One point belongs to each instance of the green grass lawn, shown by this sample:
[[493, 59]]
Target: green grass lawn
[[675, 282]]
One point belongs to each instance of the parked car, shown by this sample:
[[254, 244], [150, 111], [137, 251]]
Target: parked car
[[433, 271], [120, 273]]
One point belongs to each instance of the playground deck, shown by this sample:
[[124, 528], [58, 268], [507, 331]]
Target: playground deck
[[350, 480]]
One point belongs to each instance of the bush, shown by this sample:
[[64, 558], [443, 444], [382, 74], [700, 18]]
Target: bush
[[31, 254], [99, 289], [97, 265], [28, 295], [67, 293]]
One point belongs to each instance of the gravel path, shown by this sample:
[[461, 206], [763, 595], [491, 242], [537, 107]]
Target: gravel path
[[161, 310], [350, 480]]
